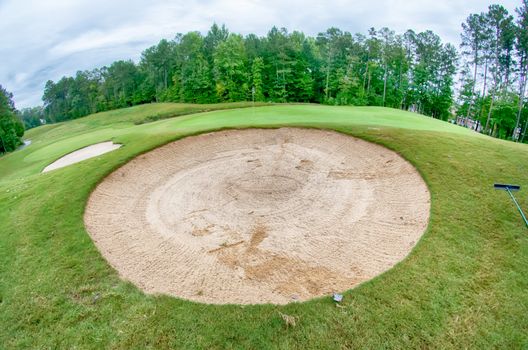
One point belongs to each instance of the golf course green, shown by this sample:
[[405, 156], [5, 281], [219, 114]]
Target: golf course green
[[463, 285]]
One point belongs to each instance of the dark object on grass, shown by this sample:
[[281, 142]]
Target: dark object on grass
[[509, 189]]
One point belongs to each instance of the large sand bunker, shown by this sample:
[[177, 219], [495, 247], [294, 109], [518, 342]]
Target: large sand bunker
[[258, 216], [82, 154]]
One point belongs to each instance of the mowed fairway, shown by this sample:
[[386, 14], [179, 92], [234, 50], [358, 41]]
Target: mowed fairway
[[463, 286]]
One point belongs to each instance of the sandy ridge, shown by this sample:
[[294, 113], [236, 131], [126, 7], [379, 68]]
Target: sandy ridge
[[82, 154]]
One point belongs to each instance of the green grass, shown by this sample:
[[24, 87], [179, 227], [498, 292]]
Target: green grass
[[463, 286]]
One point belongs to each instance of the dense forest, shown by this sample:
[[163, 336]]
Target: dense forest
[[11, 128], [411, 71], [493, 72]]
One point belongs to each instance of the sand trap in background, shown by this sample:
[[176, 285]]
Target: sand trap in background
[[258, 216], [82, 154]]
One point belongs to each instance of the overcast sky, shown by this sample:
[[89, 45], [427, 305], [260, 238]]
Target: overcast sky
[[47, 39]]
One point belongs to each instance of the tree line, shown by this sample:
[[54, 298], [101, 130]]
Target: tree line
[[411, 71], [493, 71]]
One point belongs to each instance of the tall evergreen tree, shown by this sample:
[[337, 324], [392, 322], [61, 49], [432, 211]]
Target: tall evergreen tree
[[521, 46], [500, 24]]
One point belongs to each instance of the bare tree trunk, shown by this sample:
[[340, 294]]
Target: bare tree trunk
[[276, 76], [473, 88], [496, 83], [485, 78], [384, 85], [366, 72], [521, 99], [330, 54], [524, 131], [490, 109], [521, 104], [368, 84], [400, 85], [327, 81], [485, 85], [284, 83]]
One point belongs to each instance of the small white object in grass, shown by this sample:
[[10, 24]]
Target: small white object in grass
[[338, 297]]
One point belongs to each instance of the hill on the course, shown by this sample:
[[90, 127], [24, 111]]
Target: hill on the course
[[464, 284]]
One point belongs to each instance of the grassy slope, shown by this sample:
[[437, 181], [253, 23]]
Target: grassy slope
[[464, 285]]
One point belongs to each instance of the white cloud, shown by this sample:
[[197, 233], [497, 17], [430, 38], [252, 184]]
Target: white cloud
[[96, 40], [44, 40]]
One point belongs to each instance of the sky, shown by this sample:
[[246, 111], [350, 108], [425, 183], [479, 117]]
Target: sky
[[44, 40]]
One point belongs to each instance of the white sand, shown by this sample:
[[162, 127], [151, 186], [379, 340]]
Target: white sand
[[258, 216], [82, 154]]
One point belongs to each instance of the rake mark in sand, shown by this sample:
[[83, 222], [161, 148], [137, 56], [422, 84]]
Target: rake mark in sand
[[258, 216]]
